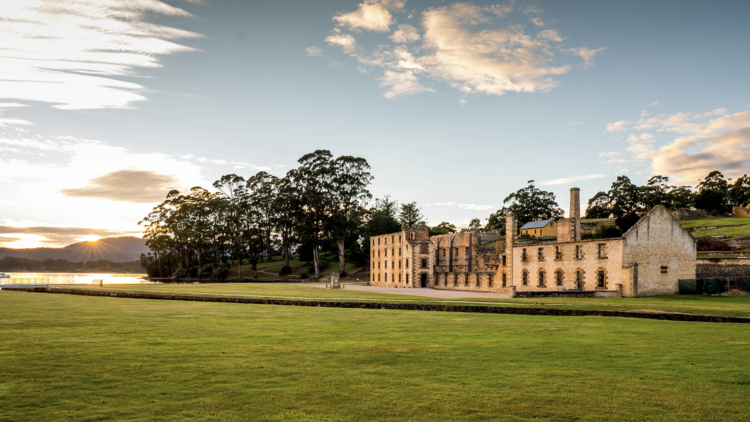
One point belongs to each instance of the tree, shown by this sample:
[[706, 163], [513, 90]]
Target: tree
[[712, 194], [313, 183], [235, 211], [262, 192], [739, 193], [475, 223], [599, 206], [496, 221], [286, 223], [531, 203], [411, 215], [350, 179], [387, 206]]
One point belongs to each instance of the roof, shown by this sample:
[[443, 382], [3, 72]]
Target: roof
[[535, 224]]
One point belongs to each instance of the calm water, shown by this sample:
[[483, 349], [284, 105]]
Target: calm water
[[73, 278]]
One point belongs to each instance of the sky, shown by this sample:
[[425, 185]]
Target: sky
[[106, 105]]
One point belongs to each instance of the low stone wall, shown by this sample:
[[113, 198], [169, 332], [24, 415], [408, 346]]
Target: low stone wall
[[395, 306], [569, 293], [242, 280], [722, 267]]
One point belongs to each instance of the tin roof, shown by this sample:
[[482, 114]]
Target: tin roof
[[535, 224]]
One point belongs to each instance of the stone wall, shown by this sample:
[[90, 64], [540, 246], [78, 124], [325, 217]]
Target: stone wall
[[663, 250], [395, 258], [722, 267]]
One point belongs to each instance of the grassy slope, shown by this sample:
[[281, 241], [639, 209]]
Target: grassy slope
[[84, 358], [270, 269], [732, 232], [695, 304]]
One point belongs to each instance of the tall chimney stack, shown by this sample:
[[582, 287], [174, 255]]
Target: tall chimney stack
[[575, 212]]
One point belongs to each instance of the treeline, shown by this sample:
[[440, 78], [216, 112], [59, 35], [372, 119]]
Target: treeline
[[714, 194], [321, 206], [10, 263]]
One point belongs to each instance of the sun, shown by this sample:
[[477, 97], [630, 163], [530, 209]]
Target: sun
[[90, 238]]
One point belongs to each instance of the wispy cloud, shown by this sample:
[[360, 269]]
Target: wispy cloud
[[587, 54], [476, 207], [574, 123], [618, 126], [313, 51], [453, 50], [566, 180], [655, 103], [70, 52]]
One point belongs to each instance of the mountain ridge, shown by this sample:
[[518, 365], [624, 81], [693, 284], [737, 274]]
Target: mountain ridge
[[115, 249]]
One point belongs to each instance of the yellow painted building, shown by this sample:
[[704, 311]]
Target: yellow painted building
[[540, 228], [741, 211]]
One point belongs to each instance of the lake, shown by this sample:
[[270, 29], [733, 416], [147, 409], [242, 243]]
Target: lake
[[72, 278]]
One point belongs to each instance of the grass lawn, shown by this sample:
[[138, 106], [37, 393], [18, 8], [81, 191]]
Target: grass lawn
[[87, 358], [693, 304], [269, 270]]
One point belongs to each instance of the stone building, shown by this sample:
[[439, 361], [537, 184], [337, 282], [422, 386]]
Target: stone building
[[647, 260]]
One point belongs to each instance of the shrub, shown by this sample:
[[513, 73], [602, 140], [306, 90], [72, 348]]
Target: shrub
[[303, 275], [285, 271], [180, 273], [626, 221], [193, 271], [606, 231], [711, 244], [206, 272], [222, 272]]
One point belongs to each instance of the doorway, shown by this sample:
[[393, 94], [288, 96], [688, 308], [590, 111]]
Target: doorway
[[423, 280]]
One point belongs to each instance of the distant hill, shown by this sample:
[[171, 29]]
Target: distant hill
[[115, 249]]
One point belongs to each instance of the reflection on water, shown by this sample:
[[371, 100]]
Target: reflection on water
[[77, 278]]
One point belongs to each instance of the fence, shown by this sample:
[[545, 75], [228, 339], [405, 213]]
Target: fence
[[699, 286], [17, 281]]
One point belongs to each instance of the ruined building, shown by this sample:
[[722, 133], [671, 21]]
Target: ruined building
[[647, 260]]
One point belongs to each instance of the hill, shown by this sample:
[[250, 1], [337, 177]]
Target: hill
[[115, 249]]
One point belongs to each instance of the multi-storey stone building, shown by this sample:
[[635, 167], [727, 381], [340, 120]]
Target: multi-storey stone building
[[647, 260]]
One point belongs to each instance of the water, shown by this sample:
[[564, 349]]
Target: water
[[72, 278]]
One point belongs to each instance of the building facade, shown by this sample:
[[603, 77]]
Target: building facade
[[647, 260]]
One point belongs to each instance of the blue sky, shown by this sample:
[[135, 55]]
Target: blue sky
[[104, 106]]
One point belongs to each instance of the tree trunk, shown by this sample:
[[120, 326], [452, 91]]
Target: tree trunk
[[316, 261], [286, 249], [268, 244], [342, 257], [239, 266]]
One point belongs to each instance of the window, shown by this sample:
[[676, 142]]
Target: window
[[445, 280], [378, 277], [579, 279], [392, 237], [407, 278], [407, 263], [466, 280], [552, 224], [399, 278], [378, 254], [600, 279], [455, 280], [455, 252], [523, 255], [378, 241], [393, 264], [399, 251], [525, 277], [386, 277], [385, 252], [664, 269], [424, 263], [602, 248], [467, 251], [378, 265], [505, 261], [489, 282], [579, 252], [423, 248], [540, 254], [541, 278], [558, 253], [399, 265], [478, 283], [443, 253], [559, 277], [505, 279]]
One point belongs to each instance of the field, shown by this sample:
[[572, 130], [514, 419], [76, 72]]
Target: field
[[740, 227], [88, 358], [269, 270]]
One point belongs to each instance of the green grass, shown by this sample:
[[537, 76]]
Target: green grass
[[87, 358], [269, 270], [743, 229], [692, 304]]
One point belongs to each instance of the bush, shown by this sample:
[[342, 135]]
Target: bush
[[711, 244], [625, 222], [303, 275], [285, 271], [222, 272], [180, 273], [193, 271], [206, 272], [606, 231]]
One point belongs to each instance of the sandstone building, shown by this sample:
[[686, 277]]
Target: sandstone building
[[647, 260]]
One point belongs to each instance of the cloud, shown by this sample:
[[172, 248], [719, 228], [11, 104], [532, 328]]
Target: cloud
[[550, 34], [131, 185], [12, 121], [695, 146], [462, 102], [440, 204], [476, 207], [405, 34], [567, 180], [574, 123], [618, 126], [64, 231], [655, 103], [587, 54], [617, 161], [537, 21], [532, 10], [455, 50], [70, 52], [401, 83], [313, 51], [372, 15], [609, 154], [345, 41], [644, 113]]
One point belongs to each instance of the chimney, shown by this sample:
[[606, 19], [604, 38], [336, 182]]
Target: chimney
[[510, 232], [575, 212]]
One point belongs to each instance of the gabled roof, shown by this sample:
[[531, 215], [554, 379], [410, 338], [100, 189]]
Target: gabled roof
[[535, 224]]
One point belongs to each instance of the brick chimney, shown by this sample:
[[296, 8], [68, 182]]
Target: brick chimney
[[575, 212]]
